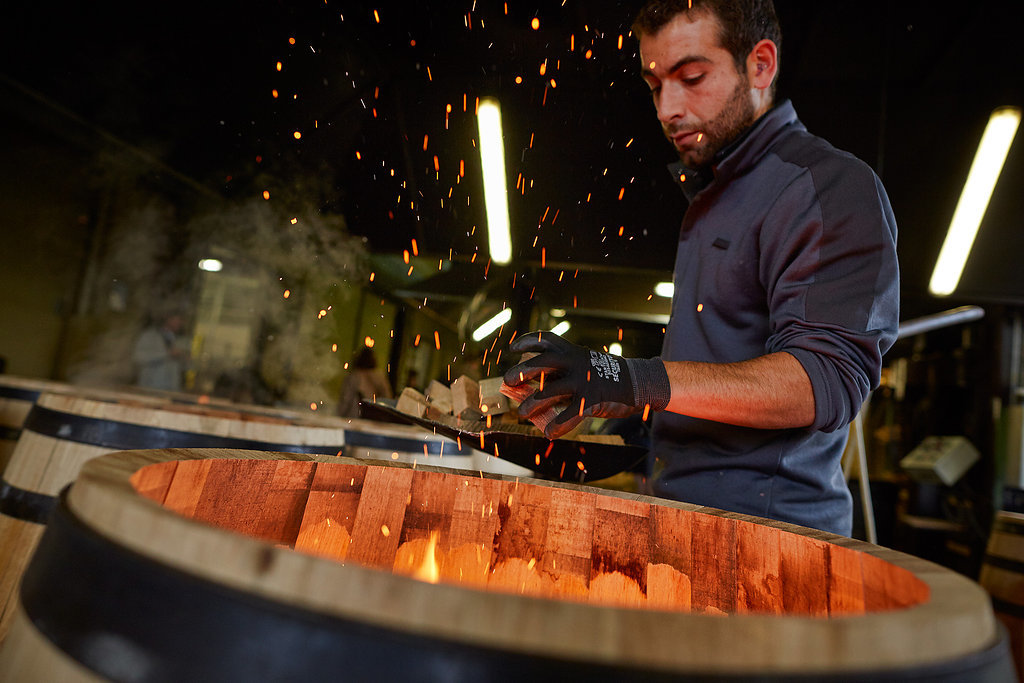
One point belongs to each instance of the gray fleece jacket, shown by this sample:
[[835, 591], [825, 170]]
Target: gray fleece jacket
[[789, 245]]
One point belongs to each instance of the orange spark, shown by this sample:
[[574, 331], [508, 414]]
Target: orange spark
[[437, 340], [535, 24], [266, 194], [377, 19], [416, 341], [415, 248]]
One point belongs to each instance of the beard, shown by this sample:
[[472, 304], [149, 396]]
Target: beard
[[736, 116]]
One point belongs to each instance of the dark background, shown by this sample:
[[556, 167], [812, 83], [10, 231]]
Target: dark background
[[906, 86]]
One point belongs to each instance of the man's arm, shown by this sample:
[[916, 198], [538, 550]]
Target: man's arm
[[768, 392]]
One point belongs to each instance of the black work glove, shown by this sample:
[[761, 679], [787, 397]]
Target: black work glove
[[594, 383]]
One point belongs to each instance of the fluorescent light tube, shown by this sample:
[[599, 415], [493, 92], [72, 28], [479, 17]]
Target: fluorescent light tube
[[492, 159], [561, 328], [981, 181], [491, 325], [665, 289]]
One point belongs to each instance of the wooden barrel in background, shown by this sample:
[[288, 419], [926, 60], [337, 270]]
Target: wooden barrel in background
[[63, 431], [1002, 575], [261, 566], [17, 394]]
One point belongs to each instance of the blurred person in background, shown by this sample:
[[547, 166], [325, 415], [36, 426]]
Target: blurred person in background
[[160, 355], [364, 382]]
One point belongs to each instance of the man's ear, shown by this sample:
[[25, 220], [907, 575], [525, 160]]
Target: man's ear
[[763, 64]]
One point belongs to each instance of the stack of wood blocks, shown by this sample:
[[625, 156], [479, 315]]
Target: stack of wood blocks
[[465, 399]]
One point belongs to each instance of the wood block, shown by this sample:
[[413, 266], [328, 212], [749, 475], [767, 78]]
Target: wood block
[[466, 398], [412, 402], [439, 397], [492, 401]]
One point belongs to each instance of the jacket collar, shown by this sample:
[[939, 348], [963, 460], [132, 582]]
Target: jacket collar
[[739, 155]]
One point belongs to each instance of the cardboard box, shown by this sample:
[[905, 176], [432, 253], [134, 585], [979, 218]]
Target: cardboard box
[[940, 459]]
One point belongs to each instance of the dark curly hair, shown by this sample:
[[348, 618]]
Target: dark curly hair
[[743, 23]]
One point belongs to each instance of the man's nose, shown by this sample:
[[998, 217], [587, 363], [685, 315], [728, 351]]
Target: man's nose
[[671, 103]]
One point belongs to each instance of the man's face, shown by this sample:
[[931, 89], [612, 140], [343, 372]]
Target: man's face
[[703, 103]]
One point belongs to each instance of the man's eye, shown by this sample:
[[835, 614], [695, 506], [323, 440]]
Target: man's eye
[[693, 80]]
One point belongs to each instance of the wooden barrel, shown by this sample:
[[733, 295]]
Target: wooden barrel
[[63, 431], [1002, 575], [19, 394], [261, 566]]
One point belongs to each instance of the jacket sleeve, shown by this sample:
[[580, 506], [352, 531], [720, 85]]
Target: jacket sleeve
[[831, 273]]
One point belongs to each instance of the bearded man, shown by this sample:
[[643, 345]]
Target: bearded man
[[786, 286]]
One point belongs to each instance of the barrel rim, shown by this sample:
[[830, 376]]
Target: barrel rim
[[956, 621]]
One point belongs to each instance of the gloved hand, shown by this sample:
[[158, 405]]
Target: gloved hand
[[594, 383]]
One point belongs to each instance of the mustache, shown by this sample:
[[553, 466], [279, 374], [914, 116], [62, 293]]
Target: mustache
[[672, 129]]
